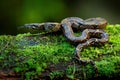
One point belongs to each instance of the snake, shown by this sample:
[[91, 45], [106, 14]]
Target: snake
[[93, 32]]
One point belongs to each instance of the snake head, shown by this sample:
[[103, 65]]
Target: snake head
[[35, 26], [49, 26]]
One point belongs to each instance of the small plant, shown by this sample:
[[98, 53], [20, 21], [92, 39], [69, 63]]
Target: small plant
[[70, 72], [56, 74]]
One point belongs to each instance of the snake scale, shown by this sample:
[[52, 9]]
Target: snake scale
[[92, 32]]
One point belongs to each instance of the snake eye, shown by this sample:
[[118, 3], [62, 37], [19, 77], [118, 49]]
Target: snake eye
[[32, 25], [50, 25]]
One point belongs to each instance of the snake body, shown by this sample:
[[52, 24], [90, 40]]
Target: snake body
[[92, 32], [92, 28]]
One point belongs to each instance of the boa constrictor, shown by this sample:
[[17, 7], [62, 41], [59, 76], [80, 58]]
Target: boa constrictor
[[92, 32]]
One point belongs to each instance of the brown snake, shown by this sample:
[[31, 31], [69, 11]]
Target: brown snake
[[92, 32]]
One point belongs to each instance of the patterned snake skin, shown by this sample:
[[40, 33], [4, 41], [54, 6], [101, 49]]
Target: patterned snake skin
[[92, 32]]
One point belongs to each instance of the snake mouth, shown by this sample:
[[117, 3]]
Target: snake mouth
[[32, 25]]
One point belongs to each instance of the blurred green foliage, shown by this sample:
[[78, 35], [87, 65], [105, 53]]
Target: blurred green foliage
[[14, 13], [42, 10]]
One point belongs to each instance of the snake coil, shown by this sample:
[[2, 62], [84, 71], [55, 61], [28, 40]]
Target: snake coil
[[92, 32]]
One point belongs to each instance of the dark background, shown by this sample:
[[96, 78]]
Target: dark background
[[14, 13]]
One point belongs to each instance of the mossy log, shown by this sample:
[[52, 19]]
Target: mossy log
[[50, 56]]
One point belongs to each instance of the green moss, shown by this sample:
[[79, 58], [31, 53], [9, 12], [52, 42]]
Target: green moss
[[31, 54], [56, 75], [105, 68]]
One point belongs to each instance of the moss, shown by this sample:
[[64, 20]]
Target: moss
[[56, 74], [30, 55]]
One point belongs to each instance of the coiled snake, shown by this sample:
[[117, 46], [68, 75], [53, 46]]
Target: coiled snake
[[92, 32]]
